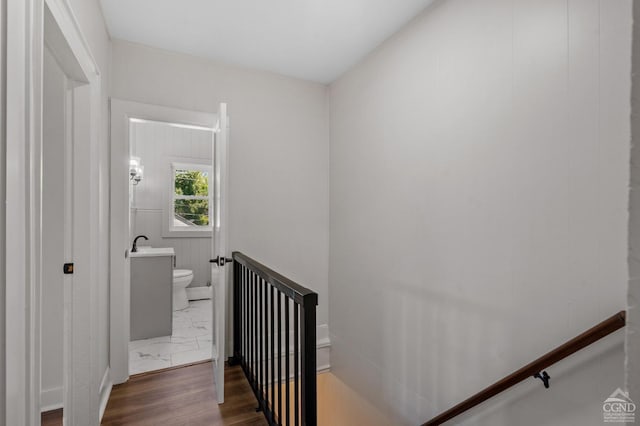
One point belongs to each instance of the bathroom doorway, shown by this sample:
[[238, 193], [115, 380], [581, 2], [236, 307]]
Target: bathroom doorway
[[171, 207], [166, 207]]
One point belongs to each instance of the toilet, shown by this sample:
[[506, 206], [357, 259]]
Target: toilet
[[181, 279]]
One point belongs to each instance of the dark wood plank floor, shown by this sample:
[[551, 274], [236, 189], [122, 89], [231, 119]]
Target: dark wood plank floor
[[51, 418], [182, 397], [178, 397]]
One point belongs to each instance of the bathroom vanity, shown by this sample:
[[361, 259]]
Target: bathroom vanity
[[151, 292]]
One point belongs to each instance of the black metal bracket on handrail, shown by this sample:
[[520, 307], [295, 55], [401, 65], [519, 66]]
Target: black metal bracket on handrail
[[544, 377], [536, 367]]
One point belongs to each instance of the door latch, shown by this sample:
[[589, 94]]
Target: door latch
[[67, 268], [221, 261]]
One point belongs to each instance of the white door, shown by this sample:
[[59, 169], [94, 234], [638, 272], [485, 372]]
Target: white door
[[219, 271]]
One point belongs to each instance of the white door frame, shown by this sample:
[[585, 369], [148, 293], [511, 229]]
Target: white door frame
[[19, 366], [25, 41], [121, 112]]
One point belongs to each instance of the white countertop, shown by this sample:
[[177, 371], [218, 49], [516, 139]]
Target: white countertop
[[146, 251]]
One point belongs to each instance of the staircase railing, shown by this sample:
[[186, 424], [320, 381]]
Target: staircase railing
[[275, 341], [535, 368]]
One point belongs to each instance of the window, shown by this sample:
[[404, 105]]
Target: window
[[191, 200]]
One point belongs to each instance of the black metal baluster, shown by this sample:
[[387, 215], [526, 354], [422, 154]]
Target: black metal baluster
[[279, 358], [241, 325], [273, 358], [245, 333], [255, 331], [246, 320], [237, 322], [286, 360], [260, 343], [242, 313], [308, 372], [251, 312], [265, 348], [235, 358], [259, 334], [263, 343], [256, 370], [250, 324], [296, 366]]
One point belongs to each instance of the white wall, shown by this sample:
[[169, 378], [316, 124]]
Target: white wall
[[633, 315], [158, 145], [479, 172], [279, 152], [54, 88]]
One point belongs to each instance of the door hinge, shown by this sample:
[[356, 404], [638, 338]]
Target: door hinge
[[67, 268]]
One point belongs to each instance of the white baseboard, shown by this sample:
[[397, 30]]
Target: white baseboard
[[51, 399], [323, 348], [105, 391], [198, 293]]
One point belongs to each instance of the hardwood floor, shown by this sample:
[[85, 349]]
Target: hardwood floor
[[51, 418], [182, 396], [186, 397]]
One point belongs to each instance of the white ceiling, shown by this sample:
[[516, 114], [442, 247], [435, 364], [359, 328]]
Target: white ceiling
[[310, 39]]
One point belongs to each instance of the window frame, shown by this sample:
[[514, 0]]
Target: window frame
[[196, 231]]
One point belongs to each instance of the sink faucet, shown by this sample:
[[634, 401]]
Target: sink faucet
[[135, 243]]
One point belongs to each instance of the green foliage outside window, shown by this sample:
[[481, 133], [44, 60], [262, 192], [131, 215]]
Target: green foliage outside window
[[192, 197]]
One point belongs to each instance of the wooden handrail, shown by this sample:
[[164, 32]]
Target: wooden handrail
[[590, 336]]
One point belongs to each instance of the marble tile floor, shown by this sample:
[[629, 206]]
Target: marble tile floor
[[191, 341]]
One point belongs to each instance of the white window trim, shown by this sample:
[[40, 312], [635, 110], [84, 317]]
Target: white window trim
[[169, 231]]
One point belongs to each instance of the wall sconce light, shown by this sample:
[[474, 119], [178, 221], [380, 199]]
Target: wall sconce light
[[136, 170]]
